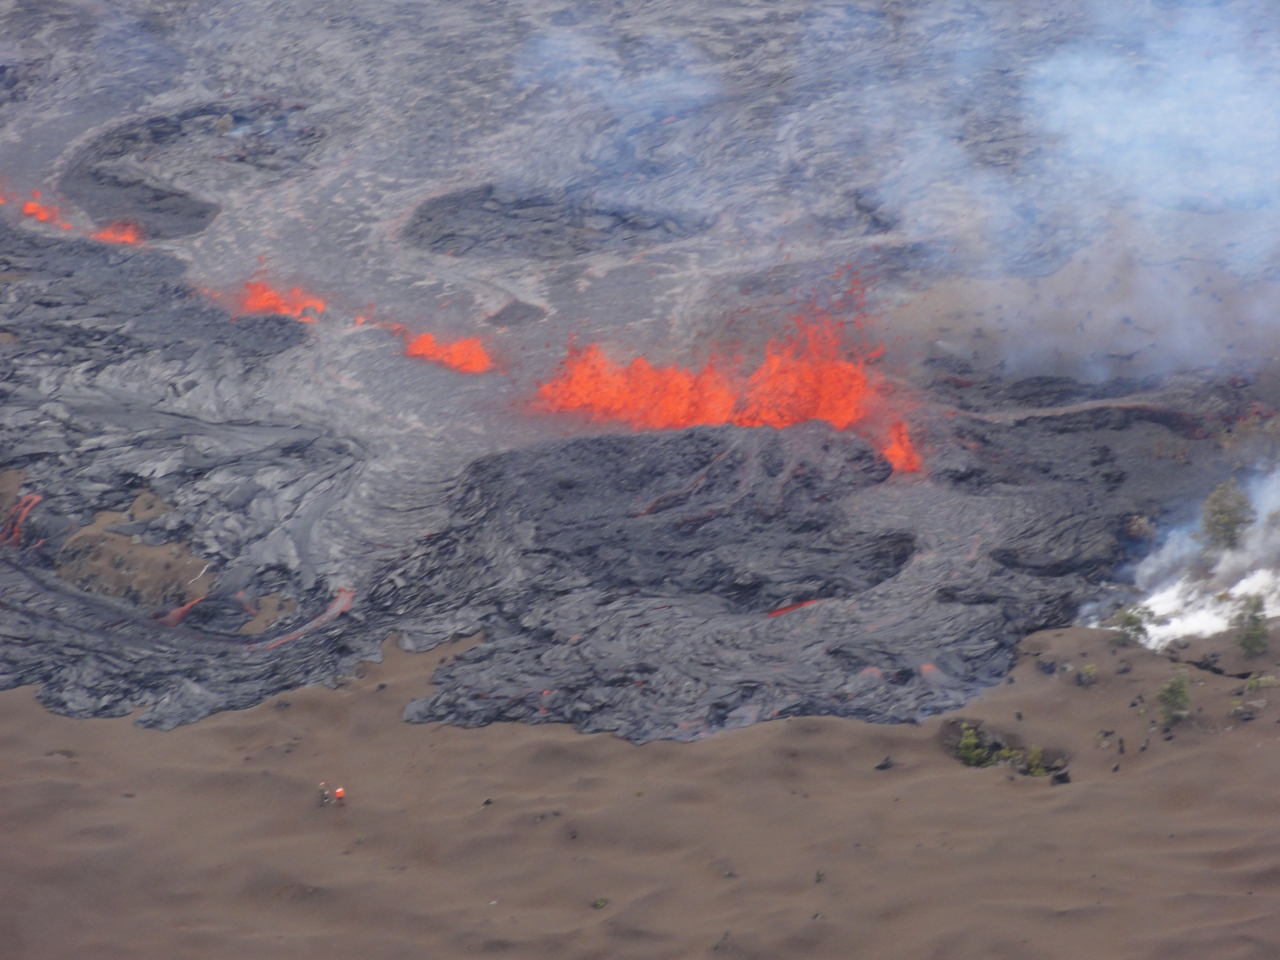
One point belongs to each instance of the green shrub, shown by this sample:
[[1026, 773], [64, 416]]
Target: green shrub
[[972, 750], [1251, 623], [1035, 763], [1132, 622], [1175, 699], [1227, 512]]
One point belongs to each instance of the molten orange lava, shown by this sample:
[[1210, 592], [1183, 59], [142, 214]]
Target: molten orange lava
[[806, 376], [119, 232], [11, 533], [260, 297], [640, 394], [177, 615], [900, 453], [790, 607], [44, 213], [466, 356], [340, 604]]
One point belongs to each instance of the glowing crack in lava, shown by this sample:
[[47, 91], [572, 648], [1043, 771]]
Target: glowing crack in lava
[[465, 356], [119, 232], [43, 213], [261, 297], [806, 376]]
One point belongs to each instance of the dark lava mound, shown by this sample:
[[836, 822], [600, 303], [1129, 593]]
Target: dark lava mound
[[667, 584], [111, 178], [484, 222]]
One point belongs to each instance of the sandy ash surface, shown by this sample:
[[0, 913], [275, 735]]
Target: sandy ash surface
[[781, 840]]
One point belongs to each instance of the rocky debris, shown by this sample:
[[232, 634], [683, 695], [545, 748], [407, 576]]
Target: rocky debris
[[16, 79], [486, 222]]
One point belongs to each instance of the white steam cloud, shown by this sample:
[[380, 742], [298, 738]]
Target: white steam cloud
[[1195, 593], [1183, 113]]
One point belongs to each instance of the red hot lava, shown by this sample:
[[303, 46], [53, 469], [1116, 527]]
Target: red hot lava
[[11, 532], [119, 232], [43, 213], [261, 297], [808, 375], [465, 356], [900, 453]]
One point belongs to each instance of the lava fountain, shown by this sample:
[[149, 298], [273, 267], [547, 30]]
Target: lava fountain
[[806, 375]]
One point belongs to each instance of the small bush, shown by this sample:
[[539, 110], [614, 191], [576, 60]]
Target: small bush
[[1251, 623], [1227, 512], [1175, 699], [1087, 675], [1034, 765], [1140, 528], [972, 749], [1132, 622]]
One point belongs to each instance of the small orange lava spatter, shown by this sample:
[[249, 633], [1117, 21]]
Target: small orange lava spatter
[[465, 356], [119, 232], [260, 297]]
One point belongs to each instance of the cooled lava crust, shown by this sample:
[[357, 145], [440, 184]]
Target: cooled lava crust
[[658, 585]]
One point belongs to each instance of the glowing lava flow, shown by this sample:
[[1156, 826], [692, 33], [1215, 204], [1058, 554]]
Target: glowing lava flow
[[341, 603], [43, 213], [466, 356], [260, 297], [900, 453], [806, 376], [11, 532], [119, 232]]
